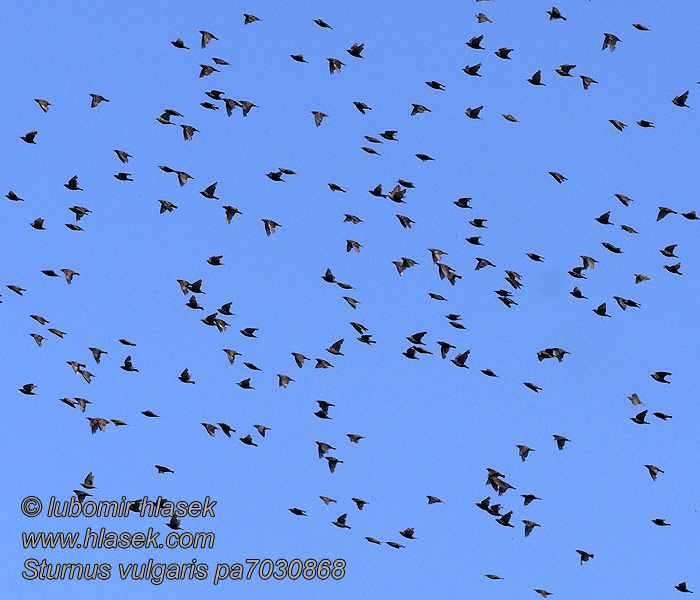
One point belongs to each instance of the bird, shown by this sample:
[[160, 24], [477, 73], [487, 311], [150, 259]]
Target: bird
[[362, 107], [359, 502], [28, 389], [128, 366], [81, 495], [174, 523], [322, 23], [185, 376], [505, 519], [634, 399], [205, 71], [207, 37], [29, 137], [270, 226], [354, 437], [178, 43], [123, 156], [188, 131], [523, 451], [318, 116], [227, 429], [96, 99], [340, 521], [89, 482], [660, 522], [529, 526], [683, 587], [324, 405], [558, 177], [323, 448], [299, 359], [473, 70], [679, 100], [504, 53], [473, 113], [73, 186], [612, 248], [536, 78], [334, 65], [639, 418], [356, 50], [248, 440], [600, 311], [624, 199], [560, 440], [248, 19], [676, 269], [246, 106], [433, 499], [661, 376], [664, 211], [555, 14], [609, 41], [475, 42], [587, 81], [43, 104], [527, 498], [284, 380], [408, 533], [261, 429], [419, 108], [211, 429], [231, 211], [653, 471], [298, 512], [564, 70], [585, 556], [619, 125], [37, 338], [332, 462], [588, 262], [405, 221]]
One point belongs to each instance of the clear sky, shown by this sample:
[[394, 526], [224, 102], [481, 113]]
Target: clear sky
[[429, 427]]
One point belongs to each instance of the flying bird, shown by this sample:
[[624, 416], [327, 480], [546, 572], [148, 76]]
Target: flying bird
[[610, 40]]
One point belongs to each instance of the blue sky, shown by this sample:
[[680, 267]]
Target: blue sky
[[430, 428]]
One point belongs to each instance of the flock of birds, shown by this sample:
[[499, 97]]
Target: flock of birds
[[216, 317]]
